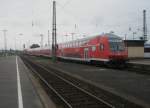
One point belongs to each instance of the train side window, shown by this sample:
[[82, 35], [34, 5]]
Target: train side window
[[102, 47], [93, 48]]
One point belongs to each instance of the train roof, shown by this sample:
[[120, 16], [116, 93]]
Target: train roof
[[112, 36], [109, 35], [39, 48]]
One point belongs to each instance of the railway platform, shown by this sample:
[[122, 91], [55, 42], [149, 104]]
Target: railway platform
[[140, 61], [16, 89], [130, 85], [142, 65]]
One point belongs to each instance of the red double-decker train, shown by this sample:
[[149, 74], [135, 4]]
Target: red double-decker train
[[106, 48]]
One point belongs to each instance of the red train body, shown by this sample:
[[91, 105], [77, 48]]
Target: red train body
[[107, 48]]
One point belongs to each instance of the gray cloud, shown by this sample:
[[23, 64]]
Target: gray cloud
[[90, 16]]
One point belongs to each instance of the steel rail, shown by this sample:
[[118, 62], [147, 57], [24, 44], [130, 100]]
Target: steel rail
[[70, 83]]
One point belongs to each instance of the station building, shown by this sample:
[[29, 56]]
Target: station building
[[135, 48]]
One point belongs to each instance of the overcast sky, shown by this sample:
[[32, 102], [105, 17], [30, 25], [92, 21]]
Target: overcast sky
[[91, 17]]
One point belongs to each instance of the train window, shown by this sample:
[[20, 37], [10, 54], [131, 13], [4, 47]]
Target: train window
[[117, 46], [102, 47], [93, 48]]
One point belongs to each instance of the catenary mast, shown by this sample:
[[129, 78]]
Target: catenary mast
[[54, 39], [144, 26]]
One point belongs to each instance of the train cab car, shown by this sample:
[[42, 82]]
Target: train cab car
[[34, 51], [103, 48], [117, 49]]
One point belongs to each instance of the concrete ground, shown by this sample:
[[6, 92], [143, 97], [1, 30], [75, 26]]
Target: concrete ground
[[16, 89]]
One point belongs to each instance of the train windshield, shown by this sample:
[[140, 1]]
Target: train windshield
[[117, 46]]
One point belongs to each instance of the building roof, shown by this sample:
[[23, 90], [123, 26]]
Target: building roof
[[134, 43]]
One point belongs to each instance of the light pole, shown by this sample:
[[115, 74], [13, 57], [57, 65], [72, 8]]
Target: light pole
[[20, 34], [5, 41], [21, 47], [133, 35]]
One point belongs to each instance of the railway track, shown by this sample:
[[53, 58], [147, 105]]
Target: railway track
[[130, 67], [140, 69], [74, 93]]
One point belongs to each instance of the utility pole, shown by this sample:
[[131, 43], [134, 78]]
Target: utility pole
[[41, 40], [54, 39], [144, 26], [66, 35], [48, 40], [125, 37], [72, 36], [21, 47]]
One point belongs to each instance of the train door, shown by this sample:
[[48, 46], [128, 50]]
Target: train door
[[102, 50], [86, 50]]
